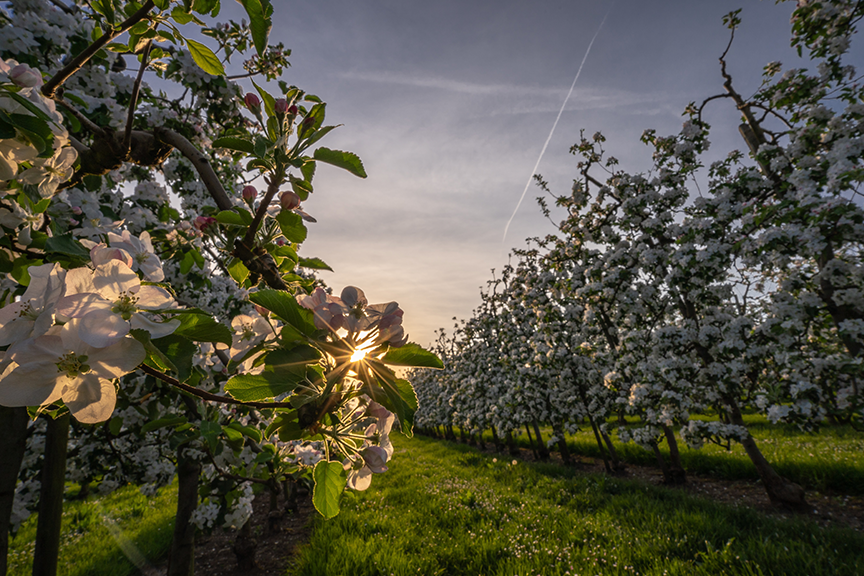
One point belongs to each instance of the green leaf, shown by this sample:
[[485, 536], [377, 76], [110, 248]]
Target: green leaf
[[269, 101], [259, 23], [238, 271], [231, 217], [20, 269], [181, 16], [346, 160], [162, 4], [162, 423], [402, 398], [248, 431], [412, 355], [179, 351], [115, 424], [65, 244], [234, 143], [205, 58], [210, 431], [330, 480], [202, 328], [255, 387], [292, 226], [285, 306], [314, 264]]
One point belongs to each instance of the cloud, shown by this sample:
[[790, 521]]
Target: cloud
[[447, 84]]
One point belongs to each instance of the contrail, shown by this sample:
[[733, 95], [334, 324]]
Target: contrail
[[561, 111]]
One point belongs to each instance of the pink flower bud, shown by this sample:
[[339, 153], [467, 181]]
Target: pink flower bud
[[204, 222], [289, 200], [280, 242], [292, 110], [281, 105], [252, 101], [250, 193], [262, 311], [24, 76], [77, 210]]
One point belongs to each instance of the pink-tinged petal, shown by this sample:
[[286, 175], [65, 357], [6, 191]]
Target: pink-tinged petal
[[32, 384], [375, 458], [118, 359], [154, 298], [102, 328], [156, 329], [47, 284], [81, 304], [89, 398], [351, 296], [79, 280], [44, 349], [114, 278], [152, 269], [360, 480]]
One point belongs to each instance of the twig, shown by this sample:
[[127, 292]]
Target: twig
[[272, 189], [200, 162], [50, 87], [85, 121], [133, 101], [207, 395], [231, 476], [64, 7]]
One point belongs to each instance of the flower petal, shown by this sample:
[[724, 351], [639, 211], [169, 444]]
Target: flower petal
[[101, 328], [90, 399]]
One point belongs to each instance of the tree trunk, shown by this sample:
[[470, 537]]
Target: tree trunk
[[13, 442], [531, 442], [480, 441], [621, 419], [496, 440], [781, 491], [511, 445], [290, 491], [676, 469], [664, 467], [462, 437], [617, 465], [541, 446], [245, 547], [181, 560], [600, 445], [53, 481], [274, 516], [562, 444]]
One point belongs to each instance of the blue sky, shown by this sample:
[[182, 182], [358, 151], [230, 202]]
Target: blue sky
[[449, 103]]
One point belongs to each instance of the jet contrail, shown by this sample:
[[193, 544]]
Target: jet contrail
[[561, 111]]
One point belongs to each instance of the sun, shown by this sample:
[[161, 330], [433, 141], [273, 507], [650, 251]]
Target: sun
[[358, 355]]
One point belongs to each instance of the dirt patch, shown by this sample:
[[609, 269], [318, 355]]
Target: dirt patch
[[214, 553]]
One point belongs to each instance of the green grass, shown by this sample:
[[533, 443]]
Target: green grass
[[830, 460], [105, 535], [444, 508]]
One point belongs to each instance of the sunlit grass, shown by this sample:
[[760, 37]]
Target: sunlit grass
[[831, 459], [443, 508], [104, 535]]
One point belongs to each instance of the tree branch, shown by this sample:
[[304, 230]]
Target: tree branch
[[50, 88], [207, 395], [133, 101], [200, 162]]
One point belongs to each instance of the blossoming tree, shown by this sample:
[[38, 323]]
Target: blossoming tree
[[117, 305]]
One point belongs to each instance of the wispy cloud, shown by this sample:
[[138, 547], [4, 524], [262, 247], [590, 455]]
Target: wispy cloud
[[450, 85]]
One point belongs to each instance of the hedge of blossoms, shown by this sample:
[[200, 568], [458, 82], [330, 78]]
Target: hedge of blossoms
[[656, 301], [150, 287]]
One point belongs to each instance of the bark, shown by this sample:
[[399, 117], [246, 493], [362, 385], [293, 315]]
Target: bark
[[531, 442], [781, 492], [274, 516], [290, 491], [617, 465], [541, 446], [245, 547], [676, 469], [496, 440], [181, 560], [480, 441], [462, 437], [562, 444], [599, 440], [511, 445], [13, 442], [661, 462], [53, 480]]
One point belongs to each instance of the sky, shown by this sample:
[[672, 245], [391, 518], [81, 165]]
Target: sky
[[449, 103]]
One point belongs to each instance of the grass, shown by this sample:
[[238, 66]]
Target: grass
[[105, 535], [444, 508], [830, 460]]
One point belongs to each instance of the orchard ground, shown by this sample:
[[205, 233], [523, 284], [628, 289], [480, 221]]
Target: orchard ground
[[449, 508]]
